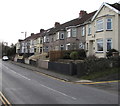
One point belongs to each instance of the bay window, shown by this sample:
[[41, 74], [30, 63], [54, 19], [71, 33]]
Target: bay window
[[109, 24], [100, 45], [109, 44], [99, 25]]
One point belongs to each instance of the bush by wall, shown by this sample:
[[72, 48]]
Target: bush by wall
[[96, 65]]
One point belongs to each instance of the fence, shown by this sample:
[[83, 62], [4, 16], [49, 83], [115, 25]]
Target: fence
[[68, 69]]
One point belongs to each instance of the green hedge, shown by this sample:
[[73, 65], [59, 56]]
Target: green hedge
[[96, 65]]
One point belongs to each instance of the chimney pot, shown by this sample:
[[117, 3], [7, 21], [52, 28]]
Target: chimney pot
[[82, 13], [56, 24]]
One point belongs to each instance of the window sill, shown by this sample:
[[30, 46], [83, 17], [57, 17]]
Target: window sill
[[109, 30], [89, 34], [99, 31], [99, 52]]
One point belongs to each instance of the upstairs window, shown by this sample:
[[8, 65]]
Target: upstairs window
[[57, 35], [47, 40], [69, 33], [74, 32], [109, 24], [83, 31], [89, 29], [99, 25], [62, 36], [41, 41], [44, 38]]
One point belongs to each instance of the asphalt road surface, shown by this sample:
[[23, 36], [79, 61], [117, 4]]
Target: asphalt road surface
[[23, 86]]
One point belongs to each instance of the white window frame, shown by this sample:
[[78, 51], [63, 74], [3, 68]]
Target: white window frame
[[100, 25], [74, 32], [108, 42], [99, 41], [68, 44], [61, 46], [81, 46], [57, 35], [61, 36], [44, 38], [89, 30], [107, 23], [68, 33], [83, 31], [47, 39]]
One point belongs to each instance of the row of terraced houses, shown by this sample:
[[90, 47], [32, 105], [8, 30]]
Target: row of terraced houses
[[96, 32]]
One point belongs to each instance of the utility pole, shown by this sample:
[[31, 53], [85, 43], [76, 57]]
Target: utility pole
[[25, 34]]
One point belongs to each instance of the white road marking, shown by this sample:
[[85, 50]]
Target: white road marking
[[41, 84], [17, 73], [58, 92]]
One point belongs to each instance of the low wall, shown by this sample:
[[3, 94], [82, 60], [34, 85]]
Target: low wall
[[27, 61], [20, 60], [33, 63], [63, 68], [43, 64]]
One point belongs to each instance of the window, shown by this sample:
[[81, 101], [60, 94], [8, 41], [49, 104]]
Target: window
[[52, 39], [73, 46], [41, 50], [109, 44], [109, 24], [62, 36], [44, 38], [74, 32], [61, 47], [89, 29], [69, 33], [41, 41], [57, 35], [99, 25], [68, 46], [56, 47], [47, 40], [83, 31], [100, 45], [87, 46], [81, 46]]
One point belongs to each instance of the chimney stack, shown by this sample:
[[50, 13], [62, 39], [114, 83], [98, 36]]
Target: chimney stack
[[82, 13], [32, 34], [41, 30], [56, 24]]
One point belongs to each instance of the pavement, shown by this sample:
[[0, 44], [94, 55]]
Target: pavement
[[50, 73]]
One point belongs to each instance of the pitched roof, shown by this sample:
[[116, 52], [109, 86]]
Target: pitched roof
[[74, 22], [115, 7]]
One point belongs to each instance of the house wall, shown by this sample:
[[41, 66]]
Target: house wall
[[119, 33], [113, 34]]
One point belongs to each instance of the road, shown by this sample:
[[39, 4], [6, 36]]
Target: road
[[23, 86]]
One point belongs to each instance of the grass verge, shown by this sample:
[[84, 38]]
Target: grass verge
[[104, 74]]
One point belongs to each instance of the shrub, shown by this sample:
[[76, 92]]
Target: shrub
[[82, 54], [74, 55], [110, 52], [66, 55]]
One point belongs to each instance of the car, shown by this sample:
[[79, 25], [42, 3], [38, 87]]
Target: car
[[5, 58]]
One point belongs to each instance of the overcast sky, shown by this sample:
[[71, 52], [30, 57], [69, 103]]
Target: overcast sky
[[30, 16]]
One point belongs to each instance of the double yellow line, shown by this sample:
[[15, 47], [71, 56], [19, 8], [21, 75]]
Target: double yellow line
[[4, 100], [85, 83]]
